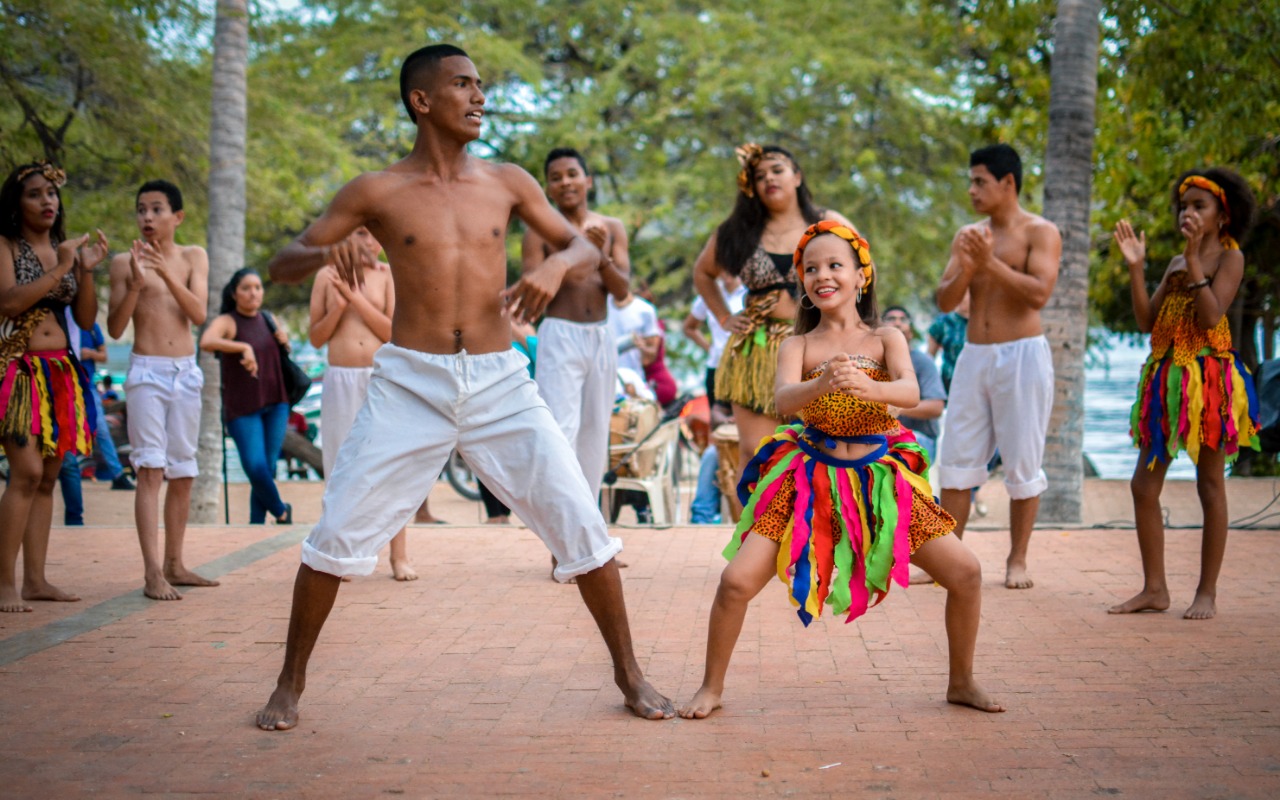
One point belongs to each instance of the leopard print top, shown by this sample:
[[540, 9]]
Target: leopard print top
[[1176, 326], [840, 414]]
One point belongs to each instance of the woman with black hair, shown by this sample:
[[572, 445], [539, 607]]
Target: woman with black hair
[[254, 402], [44, 410], [755, 243]]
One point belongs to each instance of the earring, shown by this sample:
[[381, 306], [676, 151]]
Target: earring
[[858, 297], [809, 307]]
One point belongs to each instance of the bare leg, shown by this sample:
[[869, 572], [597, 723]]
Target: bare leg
[[313, 596], [752, 567], [601, 591], [956, 502], [1022, 520], [1211, 485], [752, 427], [25, 470], [35, 540], [177, 507], [401, 566], [425, 517], [956, 568], [146, 512], [1146, 485]]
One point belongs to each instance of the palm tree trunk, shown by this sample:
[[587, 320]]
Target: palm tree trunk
[[1068, 183], [228, 132]]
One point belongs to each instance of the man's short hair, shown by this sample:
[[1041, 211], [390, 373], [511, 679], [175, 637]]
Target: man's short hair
[[418, 65], [1000, 160], [886, 311], [171, 192], [564, 152]]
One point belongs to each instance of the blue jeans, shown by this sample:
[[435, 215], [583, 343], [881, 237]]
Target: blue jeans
[[259, 437], [706, 500], [72, 494], [103, 442]]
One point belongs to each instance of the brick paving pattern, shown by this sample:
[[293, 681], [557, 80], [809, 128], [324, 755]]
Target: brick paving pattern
[[484, 678]]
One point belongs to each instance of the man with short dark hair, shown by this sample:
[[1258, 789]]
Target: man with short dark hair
[[449, 377], [1002, 391]]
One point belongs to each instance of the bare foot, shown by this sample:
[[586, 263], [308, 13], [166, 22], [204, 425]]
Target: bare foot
[[10, 603], [621, 564], [182, 576], [427, 519], [47, 591], [1016, 577], [973, 696], [403, 570], [702, 704], [502, 520], [1143, 601], [645, 701], [557, 580], [281, 711], [161, 590], [919, 577], [1203, 607], [346, 579]]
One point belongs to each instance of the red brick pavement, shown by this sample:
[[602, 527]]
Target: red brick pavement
[[486, 679]]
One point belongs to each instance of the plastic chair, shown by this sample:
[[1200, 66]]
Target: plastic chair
[[657, 482]]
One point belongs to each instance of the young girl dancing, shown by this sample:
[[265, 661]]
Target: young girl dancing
[[1194, 394], [838, 504]]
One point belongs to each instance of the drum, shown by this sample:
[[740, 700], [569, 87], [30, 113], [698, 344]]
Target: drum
[[725, 438]]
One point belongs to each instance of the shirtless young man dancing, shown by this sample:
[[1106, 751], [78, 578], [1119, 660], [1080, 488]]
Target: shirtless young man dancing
[[1002, 390], [449, 376], [163, 287]]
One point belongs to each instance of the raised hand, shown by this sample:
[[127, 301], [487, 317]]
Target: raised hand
[[737, 323], [94, 254], [1133, 247], [526, 299], [597, 235], [349, 257], [148, 257], [1192, 228], [342, 291], [978, 244], [67, 252]]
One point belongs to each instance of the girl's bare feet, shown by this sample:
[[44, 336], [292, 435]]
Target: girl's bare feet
[[11, 603], [181, 576], [47, 591], [1203, 607], [1016, 577], [702, 704], [974, 696], [160, 589], [403, 570], [1145, 600]]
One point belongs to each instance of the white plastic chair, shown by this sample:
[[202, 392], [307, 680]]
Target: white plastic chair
[[658, 483]]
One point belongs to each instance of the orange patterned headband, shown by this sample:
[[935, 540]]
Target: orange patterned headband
[[1201, 182], [54, 175], [851, 236]]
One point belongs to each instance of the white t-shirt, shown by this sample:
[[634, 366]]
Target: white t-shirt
[[637, 317], [719, 336]]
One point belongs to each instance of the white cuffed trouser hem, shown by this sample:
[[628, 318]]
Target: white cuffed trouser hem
[[565, 572], [341, 567], [961, 477], [1027, 489]]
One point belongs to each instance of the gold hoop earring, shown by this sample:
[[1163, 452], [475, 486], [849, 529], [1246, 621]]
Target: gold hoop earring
[[809, 307]]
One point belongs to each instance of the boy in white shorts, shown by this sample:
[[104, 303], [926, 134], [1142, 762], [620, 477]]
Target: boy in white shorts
[[163, 289], [1002, 389], [449, 376]]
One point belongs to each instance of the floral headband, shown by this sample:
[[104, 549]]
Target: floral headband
[[56, 176], [851, 236], [1201, 182], [749, 155]]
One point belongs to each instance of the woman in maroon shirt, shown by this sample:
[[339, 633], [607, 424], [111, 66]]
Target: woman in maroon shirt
[[254, 403]]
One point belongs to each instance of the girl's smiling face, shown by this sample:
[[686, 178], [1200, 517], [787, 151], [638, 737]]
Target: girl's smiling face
[[832, 275]]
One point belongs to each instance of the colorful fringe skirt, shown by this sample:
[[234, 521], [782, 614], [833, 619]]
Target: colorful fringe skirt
[[45, 395], [750, 364], [846, 528], [1210, 403]]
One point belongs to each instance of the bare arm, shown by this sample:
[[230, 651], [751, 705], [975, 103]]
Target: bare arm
[[927, 409], [529, 296], [956, 277], [705, 272], [692, 330], [325, 240], [933, 347], [16, 298], [903, 388], [1212, 299], [615, 267], [326, 309], [126, 285], [220, 337], [790, 393], [1133, 249], [193, 297]]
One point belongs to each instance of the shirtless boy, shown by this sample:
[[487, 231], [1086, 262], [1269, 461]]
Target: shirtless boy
[[577, 358], [1009, 265], [449, 370], [163, 288], [354, 323]]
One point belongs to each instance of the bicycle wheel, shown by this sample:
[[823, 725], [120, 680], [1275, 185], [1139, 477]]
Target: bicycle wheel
[[460, 477]]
